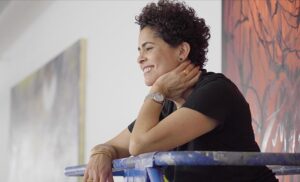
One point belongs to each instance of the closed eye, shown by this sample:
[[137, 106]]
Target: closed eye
[[149, 48]]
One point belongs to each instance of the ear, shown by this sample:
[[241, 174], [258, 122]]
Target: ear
[[184, 50]]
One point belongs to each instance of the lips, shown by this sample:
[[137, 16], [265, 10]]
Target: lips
[[147, 69]]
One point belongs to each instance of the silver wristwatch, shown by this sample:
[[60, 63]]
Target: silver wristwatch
[[157, 97]]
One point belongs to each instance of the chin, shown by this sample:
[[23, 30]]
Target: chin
[[148, 83]]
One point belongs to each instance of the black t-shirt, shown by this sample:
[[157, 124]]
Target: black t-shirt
[[217, 97]]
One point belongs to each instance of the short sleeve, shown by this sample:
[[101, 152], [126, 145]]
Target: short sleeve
[[130, 127], [212, 99]]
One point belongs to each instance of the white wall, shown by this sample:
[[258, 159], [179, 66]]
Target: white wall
[[33, 32]]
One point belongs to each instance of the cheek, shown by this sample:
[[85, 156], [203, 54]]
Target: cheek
[[165, 62], [169, 65]]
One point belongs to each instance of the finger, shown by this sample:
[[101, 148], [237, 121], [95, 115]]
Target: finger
[[96, 177], [89, 176], [182, 66], [192, 73], [110, 178], [190, 67], [103, 178], [89, 179], [85, 177], [194, 80]]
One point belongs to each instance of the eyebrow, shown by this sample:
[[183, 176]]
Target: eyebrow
[[144, 44]]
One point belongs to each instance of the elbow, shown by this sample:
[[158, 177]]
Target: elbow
[[135, 147]]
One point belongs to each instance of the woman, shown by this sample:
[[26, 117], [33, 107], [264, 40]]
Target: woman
[[183, 110]]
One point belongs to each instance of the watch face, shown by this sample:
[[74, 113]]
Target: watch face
[[158, 97]]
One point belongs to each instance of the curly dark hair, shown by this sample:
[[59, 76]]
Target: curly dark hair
[[175, 23]]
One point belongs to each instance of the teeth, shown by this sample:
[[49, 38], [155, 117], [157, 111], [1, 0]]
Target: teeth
[[147, 69]]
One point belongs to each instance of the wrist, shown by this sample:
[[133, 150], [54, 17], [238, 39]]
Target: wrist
[[156, 97], [159, 89], [103, 149]]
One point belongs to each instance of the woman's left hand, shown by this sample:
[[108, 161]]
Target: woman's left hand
[[174, 83]]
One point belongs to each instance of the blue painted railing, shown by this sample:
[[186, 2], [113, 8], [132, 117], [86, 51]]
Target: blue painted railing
[[147, 167]]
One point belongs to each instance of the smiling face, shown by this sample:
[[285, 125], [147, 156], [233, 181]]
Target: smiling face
[[156, 57]]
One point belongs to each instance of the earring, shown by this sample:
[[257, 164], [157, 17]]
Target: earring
[[180, 59]]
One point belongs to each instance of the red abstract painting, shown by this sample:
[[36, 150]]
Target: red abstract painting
[[261, 54]]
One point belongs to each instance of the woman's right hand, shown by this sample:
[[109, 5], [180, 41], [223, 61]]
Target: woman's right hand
[[174, 83], [99, 169]]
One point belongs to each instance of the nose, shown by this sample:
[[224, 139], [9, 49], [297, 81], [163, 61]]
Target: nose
[[141, 58]]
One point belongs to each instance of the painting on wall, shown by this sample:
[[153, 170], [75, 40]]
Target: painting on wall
[[261, 54], [47, 119]]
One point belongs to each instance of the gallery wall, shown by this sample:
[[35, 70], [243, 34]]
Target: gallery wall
[[34, 32]]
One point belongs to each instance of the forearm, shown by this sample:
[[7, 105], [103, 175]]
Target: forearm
[[148, 118]]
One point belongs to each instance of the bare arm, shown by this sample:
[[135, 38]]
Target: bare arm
[[121, 143], [99, 167], [178, 128]]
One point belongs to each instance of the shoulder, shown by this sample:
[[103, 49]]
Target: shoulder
[[210, 79], [213, 85], [212, 96]]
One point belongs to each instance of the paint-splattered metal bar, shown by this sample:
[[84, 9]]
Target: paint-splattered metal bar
[[210, 158], [148, 165]]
